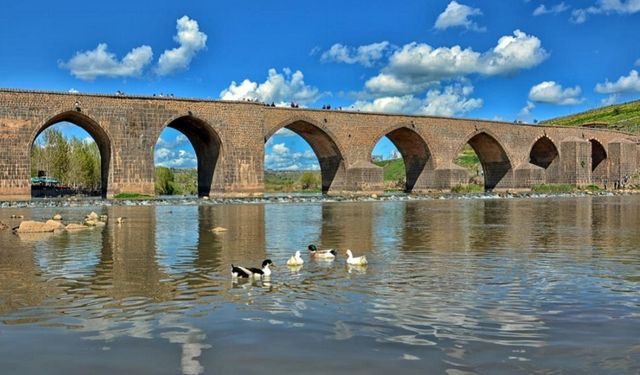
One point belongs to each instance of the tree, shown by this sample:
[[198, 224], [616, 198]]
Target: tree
[[164, 181], [309, 180]]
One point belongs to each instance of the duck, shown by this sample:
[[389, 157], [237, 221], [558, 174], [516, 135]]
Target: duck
[[295, 260], [328, 254], [356, 261], [244, 272]]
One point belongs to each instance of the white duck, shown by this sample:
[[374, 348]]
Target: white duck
[[356, 261], [239, 271], [295, 260]]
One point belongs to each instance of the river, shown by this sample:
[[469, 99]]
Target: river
[[481, 286]]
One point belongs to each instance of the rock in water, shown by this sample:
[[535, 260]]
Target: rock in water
[[3, 226], [57, 217], [93, 216], [74, 226], [218, 229], [31, 226]]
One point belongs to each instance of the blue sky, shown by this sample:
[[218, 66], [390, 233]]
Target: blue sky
[[507, 60]]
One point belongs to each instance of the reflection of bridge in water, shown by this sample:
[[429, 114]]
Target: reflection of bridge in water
[[165, 261]]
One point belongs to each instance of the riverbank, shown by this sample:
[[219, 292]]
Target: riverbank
[[296, 198]]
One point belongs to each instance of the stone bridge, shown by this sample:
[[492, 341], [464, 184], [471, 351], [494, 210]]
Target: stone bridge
[[229, 139]]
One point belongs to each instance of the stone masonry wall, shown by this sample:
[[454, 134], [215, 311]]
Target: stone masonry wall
[[127, 128]]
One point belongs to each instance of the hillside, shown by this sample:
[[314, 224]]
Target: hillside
[[622, 117]]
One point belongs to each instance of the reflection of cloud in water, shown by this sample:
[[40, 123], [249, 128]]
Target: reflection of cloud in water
[[342, 331], [191, 340]]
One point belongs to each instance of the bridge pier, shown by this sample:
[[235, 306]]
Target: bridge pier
[[575, 161], [528, 175]]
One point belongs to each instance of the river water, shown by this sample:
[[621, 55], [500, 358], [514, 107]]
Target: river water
[[485, 286]]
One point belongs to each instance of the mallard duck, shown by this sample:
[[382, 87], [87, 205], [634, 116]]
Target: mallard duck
[[295, 260], [327, 254], [239, 271], [356, 261]]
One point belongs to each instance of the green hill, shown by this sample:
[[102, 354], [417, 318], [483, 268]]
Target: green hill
[[393, 169], [622, 117]]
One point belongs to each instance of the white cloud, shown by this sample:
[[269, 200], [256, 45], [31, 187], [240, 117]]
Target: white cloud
[[280, 157], [457, 14], [451, 101], [611, 99], [606, 7], [558, 8], [624, 84], [366, 55], [174, 158], [73, 91], [637, 63], [525, 112], [181, 139], [89, 65], [190, 39], [416, 66], [280, 149], [278, 88], [552, 93]]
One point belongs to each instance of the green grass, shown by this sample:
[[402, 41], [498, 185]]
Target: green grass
[[131, 196], [622, 117], [467, 188], [468, 158], [592, 188], [554, 188], [393, 169]]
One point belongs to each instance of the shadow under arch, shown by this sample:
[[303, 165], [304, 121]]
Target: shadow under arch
[[598, 154], [99, 135], [544, 154], [493, 158], [599, 164], [330, 157], [208, 147], [414, 150]]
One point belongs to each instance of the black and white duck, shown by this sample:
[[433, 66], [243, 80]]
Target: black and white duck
[[244, 272]]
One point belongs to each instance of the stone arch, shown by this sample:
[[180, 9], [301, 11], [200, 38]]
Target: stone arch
[[598, 154], [323, 143], [599, 162], [97, 132], [415, 152], [544, 154], [496, 164], [207, 144]]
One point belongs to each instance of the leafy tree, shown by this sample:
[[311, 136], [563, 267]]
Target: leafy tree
[[309, 180], [165, 181]]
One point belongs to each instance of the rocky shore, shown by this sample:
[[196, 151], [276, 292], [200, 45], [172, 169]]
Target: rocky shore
[[295, 198]]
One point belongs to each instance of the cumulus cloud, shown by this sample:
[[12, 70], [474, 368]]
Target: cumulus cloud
[[606, 7], [637, 63], [624, 84], [366, 55], [611, 99], [525, 112], [451, 100], [190, 39], [73, 91], [552, 92], [279, 88], [416, 66], [88, 65], [280, 157], [175, 158], [458, 15], [171, 154], [558, 8]]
